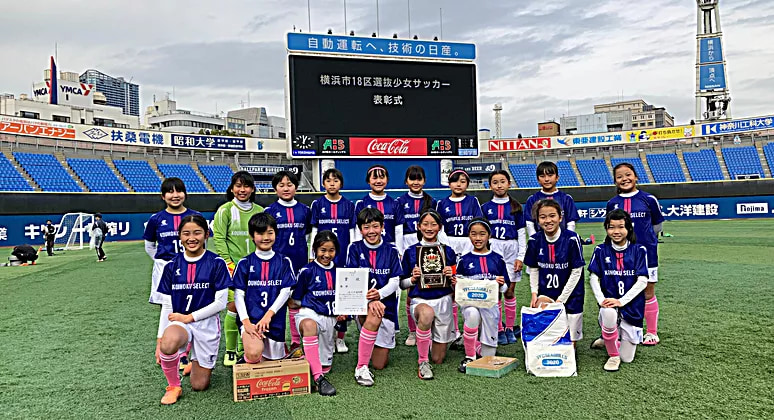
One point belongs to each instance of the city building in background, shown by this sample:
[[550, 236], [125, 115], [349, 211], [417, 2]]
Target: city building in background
[[548, 129], [617, 116], [163, 115], [118, 92], [259, 124], [713, 99]]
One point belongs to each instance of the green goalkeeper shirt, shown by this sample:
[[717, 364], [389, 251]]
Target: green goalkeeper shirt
[[230, 232]]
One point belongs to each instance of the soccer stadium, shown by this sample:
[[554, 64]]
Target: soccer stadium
[[133, 203]]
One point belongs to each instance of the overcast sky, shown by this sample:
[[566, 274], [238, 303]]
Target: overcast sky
[[536, 57]]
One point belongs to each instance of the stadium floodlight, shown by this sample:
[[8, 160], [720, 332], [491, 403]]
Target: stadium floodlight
[[71, 229]]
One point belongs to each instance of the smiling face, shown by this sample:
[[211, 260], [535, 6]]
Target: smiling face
[[479, 237], [325, 253], [617, 232], [265, 241], [242, 192], [499, 185], [459, 187], [429, 228], [332, 185], [372, 232], [625, 180], [377, 182], [548, 182], [549, 219], [415, 185], [174, 199], [193, 237], [286, 190]]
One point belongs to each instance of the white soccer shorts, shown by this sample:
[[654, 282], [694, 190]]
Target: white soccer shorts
[[487, 330], [575, 323], [653, 275], [509, 250], [158, 271], [385, 337], [444, 330], [204, 336], [272, 350], [326, 333], [460, 245]]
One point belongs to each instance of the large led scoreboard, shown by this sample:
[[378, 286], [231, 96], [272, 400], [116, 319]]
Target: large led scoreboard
[[351, 97]]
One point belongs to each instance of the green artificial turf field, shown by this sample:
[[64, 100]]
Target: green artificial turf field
[[77, 341]]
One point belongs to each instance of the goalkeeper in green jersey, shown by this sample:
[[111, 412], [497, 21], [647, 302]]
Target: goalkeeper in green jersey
[[232, 242]]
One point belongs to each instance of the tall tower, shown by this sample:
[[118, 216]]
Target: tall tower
[[498, 109], [713, 99]]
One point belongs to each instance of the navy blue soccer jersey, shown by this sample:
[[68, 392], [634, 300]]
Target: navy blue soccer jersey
[[618, 272], [412, 207], [487, 266], [393, 214], [293, 224], [316, 288], [456, 213], [646, 213], [504, 224], [338, 217], [192, 285], [410, 261], [555, 261], [569, 211], [162, 229], [383, 263]]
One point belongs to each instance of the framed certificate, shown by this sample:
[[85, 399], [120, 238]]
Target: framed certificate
[[476, 293], [351, 290], [431, 261]]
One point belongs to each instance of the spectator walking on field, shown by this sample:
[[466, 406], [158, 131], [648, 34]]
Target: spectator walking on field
[[49, 233], [99, 231]]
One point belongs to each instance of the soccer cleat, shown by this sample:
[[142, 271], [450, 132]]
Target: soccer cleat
[[183, 362], [230, 358], [363, 376], [457, 344], [411, 340], [324, 387], [295, 351], [612, 364], [464, 365], [510, 336], [187, 369], [598, 344], [172, 395], [425, 371], [667, 235], [501, 338], [341, 346], [650, 339]]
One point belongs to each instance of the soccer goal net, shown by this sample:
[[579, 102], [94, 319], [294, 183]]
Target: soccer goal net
[[72, 230]]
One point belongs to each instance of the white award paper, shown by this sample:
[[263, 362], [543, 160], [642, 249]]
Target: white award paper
[[476, 293], [351, 290]]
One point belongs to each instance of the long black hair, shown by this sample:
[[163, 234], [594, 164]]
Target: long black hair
[[515, 206], [432, 213], [416, 172], [619, 214], [246, 179], [624, 165]]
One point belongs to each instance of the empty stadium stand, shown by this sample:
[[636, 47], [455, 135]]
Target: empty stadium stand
[[567, 177], [703, 165], [219, 176], [10, 178], [768, 151], [524, 175], [665, 167], [47, 172], [594, 172], [642, 174], [193, 183], [96, 175], [742, 161], [139, 175]]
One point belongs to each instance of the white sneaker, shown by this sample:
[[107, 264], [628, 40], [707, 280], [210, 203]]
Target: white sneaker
[[341, 346], [650, 339], [364, 377], [425, 371], [612, 364], [598, 344], [411, 340]]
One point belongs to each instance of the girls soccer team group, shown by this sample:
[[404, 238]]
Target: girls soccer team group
[[261, 269]]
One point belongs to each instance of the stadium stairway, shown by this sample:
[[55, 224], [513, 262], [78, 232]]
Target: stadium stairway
[[117, 173], [722, 162], [683, 165], [156, 170], [63, 161], [9, 155], [764, 162], [576, 171], [201, 176], [644, 161]]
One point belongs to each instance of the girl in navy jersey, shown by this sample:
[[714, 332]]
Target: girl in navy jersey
[[555, 264], [431, 308], [194, 289], [378, 328], [618, 275], [314, 294], [262, 285], [548, 175], [376, 178], [647, 219], [481, 324], [509, 239], [413, 203]]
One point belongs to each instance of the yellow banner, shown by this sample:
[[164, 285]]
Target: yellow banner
[[655, 134]]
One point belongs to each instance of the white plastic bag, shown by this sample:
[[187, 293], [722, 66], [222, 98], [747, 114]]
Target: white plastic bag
[[545, 334]]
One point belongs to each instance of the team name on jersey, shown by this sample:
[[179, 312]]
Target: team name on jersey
[[502, 222], [264, 283], [482, 276], [638, 215], [190, 286], [167, 234], [333, 222], [411, 216], [458, 218], [554, 266], [379, 271], [323, 292], [620, 273], [291, 225], [240, 233]]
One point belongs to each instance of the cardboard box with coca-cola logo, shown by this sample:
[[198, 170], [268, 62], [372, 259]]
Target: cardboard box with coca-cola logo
[[278, 378]]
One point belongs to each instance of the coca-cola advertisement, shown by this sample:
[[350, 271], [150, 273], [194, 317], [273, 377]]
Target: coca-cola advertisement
[[387, 146]]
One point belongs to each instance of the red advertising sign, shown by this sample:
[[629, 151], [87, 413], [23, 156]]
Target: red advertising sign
[[387, 146], [509, 145]]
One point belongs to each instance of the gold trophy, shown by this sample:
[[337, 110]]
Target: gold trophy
[[432, 260]]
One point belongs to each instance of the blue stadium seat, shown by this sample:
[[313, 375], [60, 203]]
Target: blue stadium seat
[[768, 151], [642, 174], [595, 172], [524, 175], [47, 172], [96, 175], [665, 167], [703, 165], [567, 176], [742, 161], [219, 176], [193, 184], [139, 174], [10, 178]]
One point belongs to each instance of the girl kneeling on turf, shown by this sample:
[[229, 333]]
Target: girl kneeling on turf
[[315, 294], [431, 308], [619, 275], [262, 286], [481, 324], [555, 264], [194, 289]]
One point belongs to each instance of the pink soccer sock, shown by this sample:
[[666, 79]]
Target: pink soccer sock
[[187, 349], [611, 340], [651, 315], [295, 337], [500, 316], [456, 317], [424, 339], [365, 347], [326, 369], [411, 323], [312, 354], [478, 347], [510, 313], [469, 338], [169, 364]]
